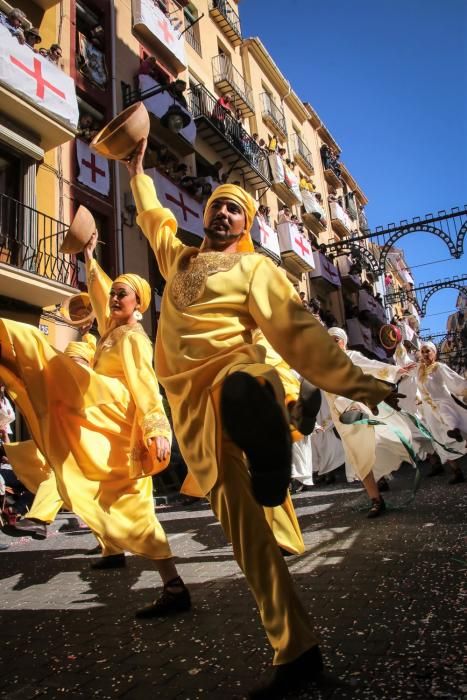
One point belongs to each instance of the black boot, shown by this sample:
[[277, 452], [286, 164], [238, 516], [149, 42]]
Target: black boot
[[297, 675], [112, 561], [436, 469], [383, 484], [255, 422], [455, 434], [175, 598], [378, 507], [29, 527], [303, 412], [457, 478]]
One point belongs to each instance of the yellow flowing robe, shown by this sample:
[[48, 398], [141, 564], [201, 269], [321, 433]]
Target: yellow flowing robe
[[211, 305], [92, 425]]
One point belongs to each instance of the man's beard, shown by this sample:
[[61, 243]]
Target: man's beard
[[223, 237]]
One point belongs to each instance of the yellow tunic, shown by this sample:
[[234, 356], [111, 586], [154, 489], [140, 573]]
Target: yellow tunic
[[92, 425]]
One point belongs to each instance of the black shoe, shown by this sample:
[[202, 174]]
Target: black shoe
[[455, 435], [112, 561], [304, 411], [255, 422], [94, 550], [329, 478], [28, 527], [295, 486], [436, 469], [383, 485], [378, 507], [296, 676], [169, 602], [458, 478]]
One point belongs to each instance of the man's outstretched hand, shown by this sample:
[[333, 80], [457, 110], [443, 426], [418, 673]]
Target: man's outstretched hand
[[135, 164], [392, 400]]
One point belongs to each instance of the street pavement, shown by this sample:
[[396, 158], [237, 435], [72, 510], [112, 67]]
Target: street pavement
[[387, 597]]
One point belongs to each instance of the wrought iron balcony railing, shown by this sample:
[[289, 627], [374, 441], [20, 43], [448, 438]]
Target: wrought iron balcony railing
[[230, 16], [300, 149], [203, 104], [272, 112], [227, 76], [193, 40], [30, 241]]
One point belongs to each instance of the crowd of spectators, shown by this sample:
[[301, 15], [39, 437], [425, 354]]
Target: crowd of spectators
[[18, 25], [330, 159]]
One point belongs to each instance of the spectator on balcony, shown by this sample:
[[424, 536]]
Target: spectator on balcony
[[326, 157], [285, 215], [149, 67], [32, 38], [272, 145], [13, 22], [87, 128], [54, 54], [176, 89], [213, 170], [181, 171], [264, 213], [97, 36], [222, 108], [282, 153], [363, 220]]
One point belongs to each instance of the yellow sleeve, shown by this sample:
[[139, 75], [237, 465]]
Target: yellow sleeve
[[303, 343], [98, 287], [158, 224], [136, 353]]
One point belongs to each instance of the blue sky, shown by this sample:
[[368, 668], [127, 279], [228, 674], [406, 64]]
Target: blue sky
[[389, 79]]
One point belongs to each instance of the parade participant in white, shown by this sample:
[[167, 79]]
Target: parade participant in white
[[328, 453], [371, 451], [446, 419]]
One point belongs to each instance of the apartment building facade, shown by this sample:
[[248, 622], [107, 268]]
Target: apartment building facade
[[237, 119]]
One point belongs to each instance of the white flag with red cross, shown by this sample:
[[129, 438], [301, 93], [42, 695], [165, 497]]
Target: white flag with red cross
[[267, 238], [94, 171], [187, 211], [36, 79]]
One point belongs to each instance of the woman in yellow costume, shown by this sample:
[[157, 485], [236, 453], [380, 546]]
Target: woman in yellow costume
[[97, 428]]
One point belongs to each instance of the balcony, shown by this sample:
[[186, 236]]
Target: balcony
[[284, 182], [340, 220], [295, 249], [32, 268], [325, 272], [273, 115], [374, 311], [352, 280], [228, 80], [332, 178], [266, 239], [359, 335], [232, 144], [314, 217], [156, 31], [36, 94], [193, 40], [227, 20], [302, 154]]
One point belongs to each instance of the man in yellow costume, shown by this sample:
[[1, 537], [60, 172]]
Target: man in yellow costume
[[228, 404]]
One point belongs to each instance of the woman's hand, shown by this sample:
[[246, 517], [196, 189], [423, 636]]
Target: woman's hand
[[135, 164], [90, 247], [160, 447], [407, 368]]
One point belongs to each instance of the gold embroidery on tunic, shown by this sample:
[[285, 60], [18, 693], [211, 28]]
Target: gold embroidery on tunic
[[190, 279], [113, 336], [383, 374], [424, 371], [155, 424], [92, 274]]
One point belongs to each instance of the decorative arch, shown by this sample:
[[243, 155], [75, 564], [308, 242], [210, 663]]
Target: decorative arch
[[414, 228], [460, 239], [345, 248], [437, 288]]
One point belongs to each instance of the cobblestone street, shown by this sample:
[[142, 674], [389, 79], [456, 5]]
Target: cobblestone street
[[386, 597]]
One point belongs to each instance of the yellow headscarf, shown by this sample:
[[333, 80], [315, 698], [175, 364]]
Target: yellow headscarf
[[246, 202], [140, 287], [84, 349]]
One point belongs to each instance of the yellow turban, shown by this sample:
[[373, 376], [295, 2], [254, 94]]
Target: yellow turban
[[246, 202], [84, 349], [140, 287]]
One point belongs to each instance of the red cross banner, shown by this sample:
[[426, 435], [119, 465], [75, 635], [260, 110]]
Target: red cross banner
[[266, 237], [187, 211], [94, 170], [36, 79], [292, 242], [151, 22]]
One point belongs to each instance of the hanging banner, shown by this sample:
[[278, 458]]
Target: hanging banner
[[94, 171], [155, 28], [36, 79], [267, 238], [187, 211]]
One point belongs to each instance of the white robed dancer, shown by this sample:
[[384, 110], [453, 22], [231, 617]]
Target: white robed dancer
[[371, 451], [411, 402], [328, 453], [445, 418]]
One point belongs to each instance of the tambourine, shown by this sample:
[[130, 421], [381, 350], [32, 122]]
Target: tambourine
[[78, 310], [390, 336]]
